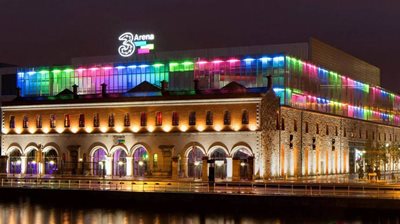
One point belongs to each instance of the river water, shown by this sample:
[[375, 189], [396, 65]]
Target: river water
[[24, 211]]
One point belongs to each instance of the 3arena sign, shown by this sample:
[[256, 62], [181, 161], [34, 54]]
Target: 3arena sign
[[141, 43]]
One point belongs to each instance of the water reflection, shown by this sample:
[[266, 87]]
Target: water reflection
[[23, 211]]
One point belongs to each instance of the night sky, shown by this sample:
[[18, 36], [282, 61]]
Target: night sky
[[50, 32]]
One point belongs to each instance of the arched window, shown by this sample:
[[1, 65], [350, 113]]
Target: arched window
[[227, 118], [39, 121], [158, 118], [96, 120], [127, 121], [192, 118], [111, 120], [67, 121], [25, 122], [209, 118], [12, 121], [175, 119], [245, 117], [52, 121], [143, 119], [81, 120]]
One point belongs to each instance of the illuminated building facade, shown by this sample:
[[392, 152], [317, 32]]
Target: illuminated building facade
[[255, 112]]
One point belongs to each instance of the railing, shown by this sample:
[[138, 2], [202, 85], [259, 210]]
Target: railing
[[239, 188]]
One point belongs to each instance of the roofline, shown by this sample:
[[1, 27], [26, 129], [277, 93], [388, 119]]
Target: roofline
[[251, 100]]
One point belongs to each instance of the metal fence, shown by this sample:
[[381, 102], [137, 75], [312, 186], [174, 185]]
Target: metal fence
[[240, 188]]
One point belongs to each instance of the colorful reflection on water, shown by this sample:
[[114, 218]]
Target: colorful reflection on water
[[24, 211]]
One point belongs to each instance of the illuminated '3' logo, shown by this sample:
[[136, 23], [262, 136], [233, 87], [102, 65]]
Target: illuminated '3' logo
[[128, 47]]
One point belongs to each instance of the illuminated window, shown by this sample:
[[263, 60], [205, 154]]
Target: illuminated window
[[175, 119], [96, 120], [158, 118], [67, 122], [52, 121], [39, 121], [81, 120], [127, 120], [111, 120], [227, 118], [245, 117], [12, 121], [155, 161], [25, 122], [209, 118], [143, 119], [192, 118]]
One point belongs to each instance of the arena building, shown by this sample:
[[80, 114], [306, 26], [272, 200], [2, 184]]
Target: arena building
[[233, 113]]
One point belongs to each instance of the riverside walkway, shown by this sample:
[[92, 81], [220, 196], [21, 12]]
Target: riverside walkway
[[330, 187]]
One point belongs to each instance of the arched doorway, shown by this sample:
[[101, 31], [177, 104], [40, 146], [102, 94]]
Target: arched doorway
[[32, 163], [195, 162], [51, 162], [140, 160], [219, 156], [14, 162], [119, 163], [242, 155], [99, 162]]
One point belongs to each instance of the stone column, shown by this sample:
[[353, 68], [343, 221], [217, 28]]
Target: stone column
[[41, 167], [24, 164], [204, 169], [185, 166], [109, 160], [236, 170], [129, 166], [229, 167], [174, 172]]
